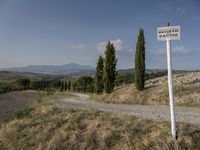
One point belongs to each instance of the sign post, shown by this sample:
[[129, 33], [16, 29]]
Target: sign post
[[167, 34]]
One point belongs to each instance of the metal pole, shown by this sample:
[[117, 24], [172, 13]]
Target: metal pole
[[170, 86]]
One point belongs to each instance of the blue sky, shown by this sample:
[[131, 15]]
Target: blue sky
[[39, 32]]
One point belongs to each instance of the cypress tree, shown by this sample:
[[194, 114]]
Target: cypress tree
[[84, 86], [74, 86], [69, 85], [61, 86], [99, 75], [140, 61], [65, 86], [110, 72]]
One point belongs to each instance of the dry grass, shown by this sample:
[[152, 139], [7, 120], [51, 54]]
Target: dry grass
[[185, 95], [186, 92], [11, 102], [130, 95], [47, 127]]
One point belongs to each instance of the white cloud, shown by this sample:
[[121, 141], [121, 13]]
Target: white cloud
[[176, 50], [180, 49], [101, 47], [117, 43]]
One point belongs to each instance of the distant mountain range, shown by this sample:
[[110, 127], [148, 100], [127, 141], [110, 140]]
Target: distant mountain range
[[71, 68]]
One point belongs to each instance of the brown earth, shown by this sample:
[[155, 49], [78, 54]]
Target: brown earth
[[13, 101]]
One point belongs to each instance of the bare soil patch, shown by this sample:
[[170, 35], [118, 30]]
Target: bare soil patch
[[13, 101]]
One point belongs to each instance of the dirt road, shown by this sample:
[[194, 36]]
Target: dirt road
[[160, 113], [13, 101]]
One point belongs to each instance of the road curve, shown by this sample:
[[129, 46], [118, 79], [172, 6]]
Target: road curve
[[158, 112]]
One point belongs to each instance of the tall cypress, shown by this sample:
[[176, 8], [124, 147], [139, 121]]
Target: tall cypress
[[65, 86], [74, 86], [69, 85], [110, 72], [99, 76], [84, 86], [140, 61], [61, 85]]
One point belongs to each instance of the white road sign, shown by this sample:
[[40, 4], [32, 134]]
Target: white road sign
[[168, 33]]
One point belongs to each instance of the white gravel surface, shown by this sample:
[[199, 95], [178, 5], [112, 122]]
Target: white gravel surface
[[159, 112]]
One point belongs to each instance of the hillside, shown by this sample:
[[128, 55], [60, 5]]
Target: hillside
[[51, 69], [45, 126], [186, 91], [8, 77]]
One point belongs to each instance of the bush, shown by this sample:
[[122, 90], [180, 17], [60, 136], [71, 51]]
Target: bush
[[4, 88], [24, 83]]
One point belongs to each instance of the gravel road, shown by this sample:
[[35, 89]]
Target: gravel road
[[13, 101], [159, 113]]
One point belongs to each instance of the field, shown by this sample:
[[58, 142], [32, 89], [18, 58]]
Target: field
[[44, 126], [10, 77]]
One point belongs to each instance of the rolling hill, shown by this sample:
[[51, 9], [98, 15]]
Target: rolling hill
[[52, 69]]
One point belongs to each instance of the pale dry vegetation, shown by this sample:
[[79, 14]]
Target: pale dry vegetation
[[186, 92], [47, 127], [13, 101]]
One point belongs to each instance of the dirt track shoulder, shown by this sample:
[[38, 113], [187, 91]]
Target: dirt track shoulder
[[158, 112]]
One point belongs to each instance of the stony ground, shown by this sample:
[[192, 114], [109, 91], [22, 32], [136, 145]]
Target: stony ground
[[186, 92], [189, 78], [157, 112]]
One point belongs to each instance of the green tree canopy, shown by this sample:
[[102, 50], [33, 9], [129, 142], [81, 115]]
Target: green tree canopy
[[25, 83], [84, 83], [110, 72], [140, 61], [99, 75]]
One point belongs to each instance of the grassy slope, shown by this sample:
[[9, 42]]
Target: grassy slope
[[9, 77], [185, 95], [47, 127]]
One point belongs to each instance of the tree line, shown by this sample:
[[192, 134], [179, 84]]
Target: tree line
[[82, 84]]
